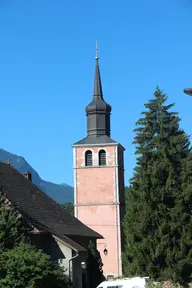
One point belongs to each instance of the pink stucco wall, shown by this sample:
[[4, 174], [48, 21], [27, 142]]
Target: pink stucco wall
[[96, 190], [95, 185], [103, 220]]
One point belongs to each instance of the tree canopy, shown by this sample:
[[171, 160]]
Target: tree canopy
[[26, 267], [70, 207], [158, 222]]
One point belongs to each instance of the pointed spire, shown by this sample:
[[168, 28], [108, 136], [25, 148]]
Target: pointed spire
[[97, 83]]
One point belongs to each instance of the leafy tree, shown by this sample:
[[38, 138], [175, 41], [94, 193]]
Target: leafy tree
[[11, 231], [26, 267], [158, 222], [70, 207], [94, 266]]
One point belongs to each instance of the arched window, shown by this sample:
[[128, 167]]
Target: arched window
[[88, 158], [102, 158]]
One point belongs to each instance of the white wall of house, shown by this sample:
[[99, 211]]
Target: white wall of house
[[75, 265], [67, 255]]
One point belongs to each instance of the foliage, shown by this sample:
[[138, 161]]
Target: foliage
[[26, 267], [11, 232], [94, 266], [70, 207], [21, 264], [158, 222], [164, 284]]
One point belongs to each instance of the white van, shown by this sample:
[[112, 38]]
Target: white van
[[136, 282]]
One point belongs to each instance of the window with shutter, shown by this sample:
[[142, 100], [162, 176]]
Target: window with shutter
[[102, 158], [88, 158]]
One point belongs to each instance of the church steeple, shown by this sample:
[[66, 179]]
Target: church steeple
[[98, 111], [97, 83]]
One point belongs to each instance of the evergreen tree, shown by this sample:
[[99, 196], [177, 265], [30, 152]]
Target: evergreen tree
[[158, 222]]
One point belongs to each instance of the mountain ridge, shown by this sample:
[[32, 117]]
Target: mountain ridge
[[61, 193]]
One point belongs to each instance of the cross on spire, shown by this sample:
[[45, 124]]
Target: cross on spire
[[97, 57]]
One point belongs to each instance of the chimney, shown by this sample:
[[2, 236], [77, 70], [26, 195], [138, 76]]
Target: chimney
[[28, 175]]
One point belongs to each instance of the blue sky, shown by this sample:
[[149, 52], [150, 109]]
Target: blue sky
[[47, 51]]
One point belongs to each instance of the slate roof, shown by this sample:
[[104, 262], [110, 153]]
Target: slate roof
[[39, 208], [74, 245], [103, 139], [98, 104]]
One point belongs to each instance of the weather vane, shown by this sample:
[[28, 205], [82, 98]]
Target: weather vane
[[97, 57]]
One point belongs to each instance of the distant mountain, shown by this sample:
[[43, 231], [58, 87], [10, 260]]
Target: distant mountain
[[61, 193]]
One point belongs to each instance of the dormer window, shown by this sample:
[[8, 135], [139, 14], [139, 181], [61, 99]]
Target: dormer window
[[88, 158], [102, 158]]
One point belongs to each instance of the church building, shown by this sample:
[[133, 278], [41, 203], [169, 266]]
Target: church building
[[99, 181]]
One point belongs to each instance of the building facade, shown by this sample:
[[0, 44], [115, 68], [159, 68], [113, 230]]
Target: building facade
[[99, 181]]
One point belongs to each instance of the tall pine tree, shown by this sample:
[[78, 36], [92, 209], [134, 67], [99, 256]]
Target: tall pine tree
[[158, 222]]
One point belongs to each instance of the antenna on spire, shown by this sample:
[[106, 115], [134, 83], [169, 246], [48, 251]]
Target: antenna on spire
[[97, 57]]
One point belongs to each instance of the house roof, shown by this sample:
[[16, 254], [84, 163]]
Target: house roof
[[68, 241], [39, 208]]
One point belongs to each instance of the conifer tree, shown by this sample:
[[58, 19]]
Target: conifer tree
[[158, 221]]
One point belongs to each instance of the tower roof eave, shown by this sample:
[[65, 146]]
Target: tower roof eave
[[103, 140]]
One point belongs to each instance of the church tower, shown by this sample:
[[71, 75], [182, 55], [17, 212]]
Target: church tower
[[99, 181]]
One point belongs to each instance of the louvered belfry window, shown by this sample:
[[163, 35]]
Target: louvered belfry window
[[88, 158], [102, 158]]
